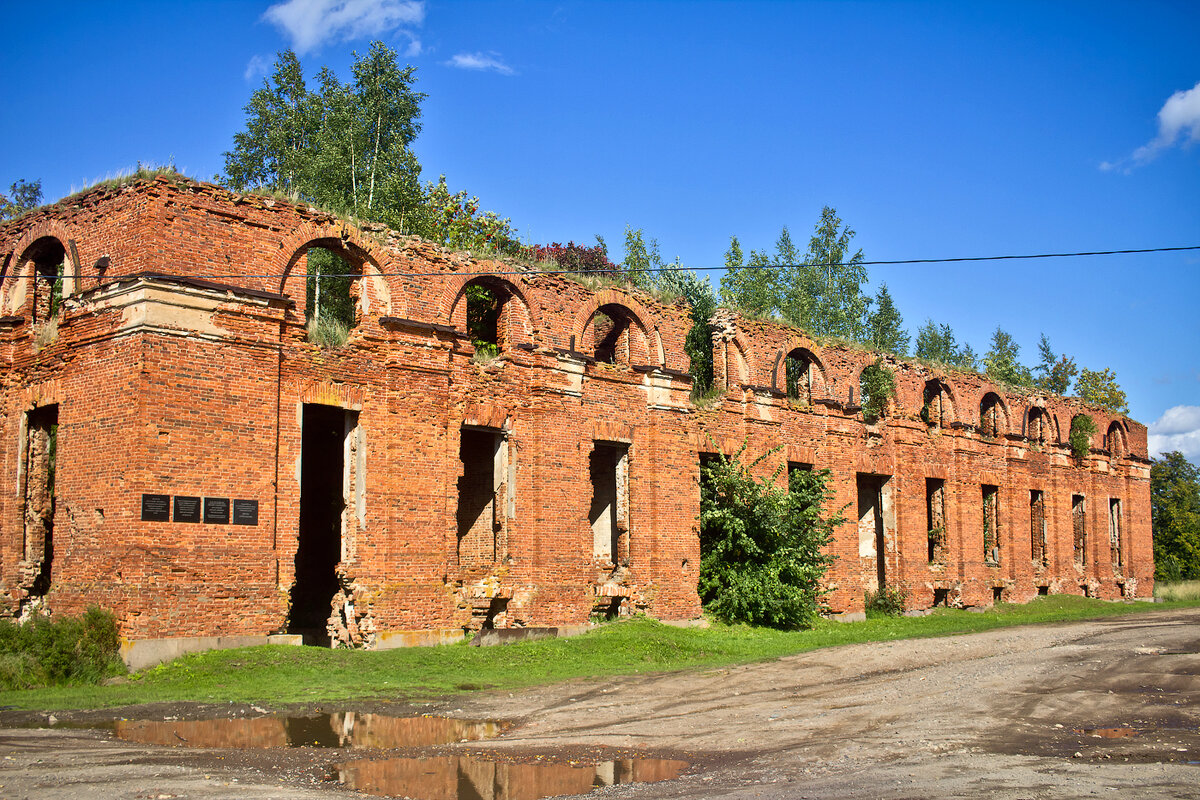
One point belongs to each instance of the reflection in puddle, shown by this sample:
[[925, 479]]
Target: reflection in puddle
[[1108, 733], [466, 778], [347, 729]]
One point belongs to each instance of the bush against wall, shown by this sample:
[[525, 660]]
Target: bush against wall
[[878, 386], [71, 650], [762, 547], [1080, 438]]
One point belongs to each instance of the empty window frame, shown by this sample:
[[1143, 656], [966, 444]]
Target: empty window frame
[[608, 466], [1114, 534], [991, 416], [935, 518], [800, 374], [1037, 527], [936, 409], [1079, 529], [991, 524], [41, 439], [484, 499]]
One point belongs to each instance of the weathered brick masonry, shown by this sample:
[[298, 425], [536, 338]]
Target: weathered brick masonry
[[429, 489]]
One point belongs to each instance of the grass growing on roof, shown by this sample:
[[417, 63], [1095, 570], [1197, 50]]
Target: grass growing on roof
[[280, 675]]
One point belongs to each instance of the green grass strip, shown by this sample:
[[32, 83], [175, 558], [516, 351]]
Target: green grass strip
[[282, 675]]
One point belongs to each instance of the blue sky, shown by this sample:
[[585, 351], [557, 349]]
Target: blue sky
[[935, 129]]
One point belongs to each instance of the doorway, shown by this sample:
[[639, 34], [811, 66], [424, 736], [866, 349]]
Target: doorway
[[323, 482]]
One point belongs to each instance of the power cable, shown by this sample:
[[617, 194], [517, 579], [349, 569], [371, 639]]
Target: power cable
[[617, 270]]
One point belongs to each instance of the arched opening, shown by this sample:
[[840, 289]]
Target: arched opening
[[494, 315], [801, 375], [49, 258], [614, 336], [1115, 440], [331, 292], [993, 421], [937, 408], [1039, 428]]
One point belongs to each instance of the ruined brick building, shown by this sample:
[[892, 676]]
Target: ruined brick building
[[175, 449]]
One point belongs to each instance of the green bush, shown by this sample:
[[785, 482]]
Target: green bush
[[71, 650], [878, 385], [762, 548], [1080, 438], [888, 601]]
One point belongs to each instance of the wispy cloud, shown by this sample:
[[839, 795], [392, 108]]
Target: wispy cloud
[[257, 67], [1177, 429], [1179, 117], [310, 24], [481, 61]]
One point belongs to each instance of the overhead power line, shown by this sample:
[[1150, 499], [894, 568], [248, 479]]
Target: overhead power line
[[618, 269]]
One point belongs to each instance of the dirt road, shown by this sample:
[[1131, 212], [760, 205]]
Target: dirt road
[[1110, 707]]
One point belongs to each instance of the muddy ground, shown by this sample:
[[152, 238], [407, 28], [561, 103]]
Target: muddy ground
[[1016, 713]]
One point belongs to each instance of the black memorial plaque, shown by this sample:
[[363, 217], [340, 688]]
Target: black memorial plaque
[[187, 509], [216, 510], [245, 512], [156, 508]]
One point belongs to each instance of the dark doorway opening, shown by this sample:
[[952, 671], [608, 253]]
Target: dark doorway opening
[[41, 442], [480, 502], [324, 430]]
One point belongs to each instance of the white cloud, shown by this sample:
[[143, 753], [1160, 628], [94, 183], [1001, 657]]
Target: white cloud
[[313, 23], [256, 67], [480, 61], [1179, 115], [1177, 429]]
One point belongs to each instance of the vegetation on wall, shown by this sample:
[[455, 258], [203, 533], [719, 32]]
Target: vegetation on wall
[[1083, 427], [878, 385], [762, 547]]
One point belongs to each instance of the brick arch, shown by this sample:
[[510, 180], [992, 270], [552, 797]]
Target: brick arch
[[1004, 418], [818, 357], [293, 247], [455, 288], [741, 350], [14, 283], [638, 313], [1052, 432], [946, 416]]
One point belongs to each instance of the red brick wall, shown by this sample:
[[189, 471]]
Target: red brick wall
[[173, 387]]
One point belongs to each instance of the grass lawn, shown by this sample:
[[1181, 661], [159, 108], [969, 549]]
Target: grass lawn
[[279, 674]]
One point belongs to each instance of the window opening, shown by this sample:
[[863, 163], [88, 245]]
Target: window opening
[[991, 525], [1079, 529], [874, 514], [610, 327], [330, 309], [49, 259], [1037, 527], [482, 497], [1114, 534], [799, 373], [324, 480], [608, 465], [936, 410], [935, 517], [991, 416], [41, 444], [1115, 440], [1038, 430], [484, 307]]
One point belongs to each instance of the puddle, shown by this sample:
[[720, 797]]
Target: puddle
[[470, 778], [1108, 733], [346, 729]]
